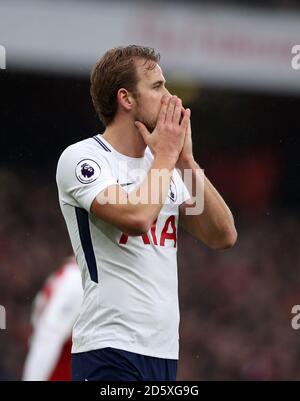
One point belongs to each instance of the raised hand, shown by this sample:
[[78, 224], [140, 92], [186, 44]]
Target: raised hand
[[186, 154], [168, 137]]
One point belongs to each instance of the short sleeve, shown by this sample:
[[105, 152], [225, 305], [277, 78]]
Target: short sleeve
[[81, 176]]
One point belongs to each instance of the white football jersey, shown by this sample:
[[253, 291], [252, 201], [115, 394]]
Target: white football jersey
[[130, 283]]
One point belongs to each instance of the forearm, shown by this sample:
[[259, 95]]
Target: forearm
[[147, 200], [215, 225], [134, 212], [216, 214]]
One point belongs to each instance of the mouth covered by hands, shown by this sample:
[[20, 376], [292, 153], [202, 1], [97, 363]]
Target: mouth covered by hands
[[169, 136]]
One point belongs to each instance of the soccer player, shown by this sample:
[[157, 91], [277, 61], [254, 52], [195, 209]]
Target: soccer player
[[126, 243], [55, 310]]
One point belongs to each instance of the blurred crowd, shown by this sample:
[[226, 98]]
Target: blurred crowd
[[33, 243], [235, 304]]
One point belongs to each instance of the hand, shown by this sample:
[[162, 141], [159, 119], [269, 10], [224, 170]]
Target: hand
[[186, 154], [168, 137]]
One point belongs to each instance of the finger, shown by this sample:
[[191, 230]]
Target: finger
[[170, 109], [142, 130], [177, 111], [183, 111], [163, 109], [181, 114], [186, 119]]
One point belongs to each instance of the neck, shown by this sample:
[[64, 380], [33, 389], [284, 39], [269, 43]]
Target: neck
[[125, 138]]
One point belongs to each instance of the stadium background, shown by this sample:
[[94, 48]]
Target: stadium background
[[235, 304]]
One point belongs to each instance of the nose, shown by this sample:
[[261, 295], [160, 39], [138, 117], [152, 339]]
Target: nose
[[166, 93]]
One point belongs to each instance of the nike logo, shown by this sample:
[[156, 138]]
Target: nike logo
[[125, 184]]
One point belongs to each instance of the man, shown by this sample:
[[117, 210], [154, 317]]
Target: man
[[55, 310], [126, 243]]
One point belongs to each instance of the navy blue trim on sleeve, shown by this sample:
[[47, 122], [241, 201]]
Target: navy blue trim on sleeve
[[82, 217]]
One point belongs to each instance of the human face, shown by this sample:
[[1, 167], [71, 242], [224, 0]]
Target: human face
[[150, 90]]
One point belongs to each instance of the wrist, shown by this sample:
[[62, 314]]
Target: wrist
[[166, 160], [188, 162]]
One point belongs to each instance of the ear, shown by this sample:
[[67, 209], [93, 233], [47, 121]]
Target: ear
[[125, 99]]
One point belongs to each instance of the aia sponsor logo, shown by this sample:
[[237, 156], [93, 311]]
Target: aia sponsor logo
[[168, 233]]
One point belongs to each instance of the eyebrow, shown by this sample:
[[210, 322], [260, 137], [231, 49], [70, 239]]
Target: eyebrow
[[159, 82]]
